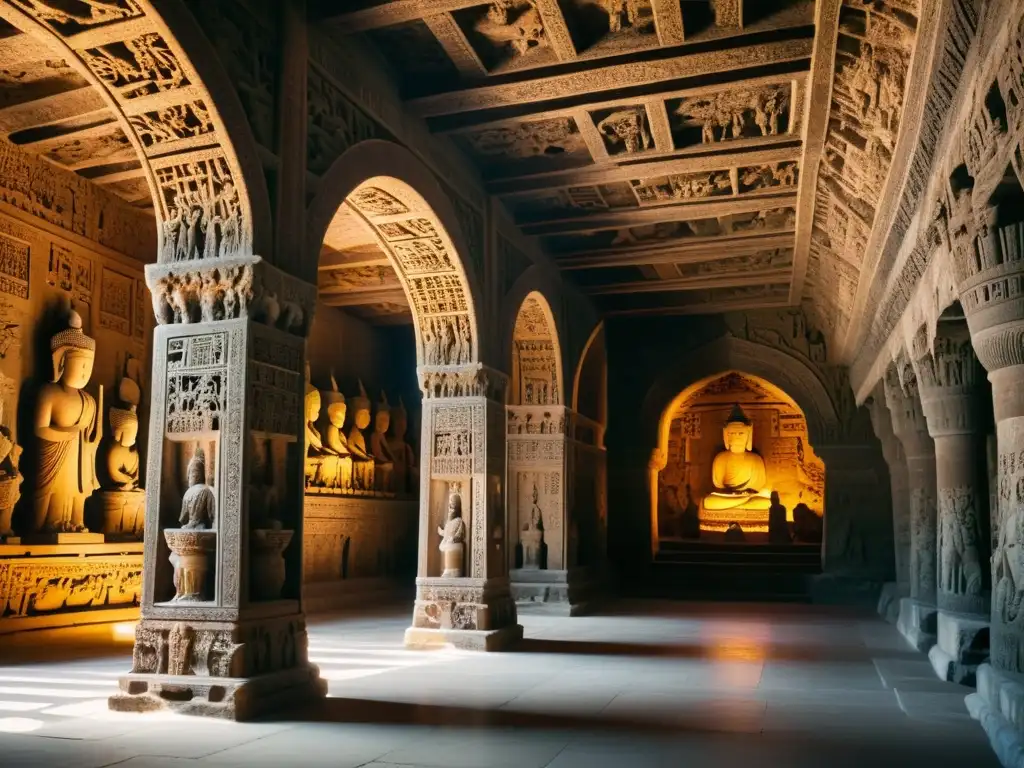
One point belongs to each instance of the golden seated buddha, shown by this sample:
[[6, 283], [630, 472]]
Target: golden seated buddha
[[739, 477]]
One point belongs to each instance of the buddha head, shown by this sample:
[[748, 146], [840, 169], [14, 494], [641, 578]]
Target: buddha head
[[738, 433], [361, 408], [73, 354], [124, 426], [197, 468], [399, 420], [382, 420], [336, 406]]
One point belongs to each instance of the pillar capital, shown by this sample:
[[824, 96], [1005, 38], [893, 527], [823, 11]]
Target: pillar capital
[[950, 380], [902, 397]]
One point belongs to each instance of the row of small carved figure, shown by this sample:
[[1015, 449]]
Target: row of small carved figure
[[194, 297], [30, 593]]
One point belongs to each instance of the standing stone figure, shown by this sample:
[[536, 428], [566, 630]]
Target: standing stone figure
[[532, 537], [69, 429], [199, 504], [453, 537]]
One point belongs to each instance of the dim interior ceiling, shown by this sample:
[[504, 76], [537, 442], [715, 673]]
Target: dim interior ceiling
[[672, 156]]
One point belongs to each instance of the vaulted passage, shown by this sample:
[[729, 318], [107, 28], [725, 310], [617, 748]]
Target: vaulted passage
[[512, 313]]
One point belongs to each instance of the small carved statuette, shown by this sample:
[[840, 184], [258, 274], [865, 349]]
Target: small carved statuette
[[199, 504], [532, 536], [69, 429], [453, 537]]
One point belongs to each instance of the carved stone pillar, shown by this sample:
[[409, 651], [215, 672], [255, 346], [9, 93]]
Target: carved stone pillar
[[552, 476], [899, 484], [917, 619], [463, 595], [222, 630], [952, 398]]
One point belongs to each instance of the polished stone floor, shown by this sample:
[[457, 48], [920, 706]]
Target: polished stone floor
[[642, 684]]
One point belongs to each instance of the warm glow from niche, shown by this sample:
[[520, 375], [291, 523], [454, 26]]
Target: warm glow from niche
[[124, 631]]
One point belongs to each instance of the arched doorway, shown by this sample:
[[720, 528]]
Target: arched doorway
[[387, 246], [706, 484]]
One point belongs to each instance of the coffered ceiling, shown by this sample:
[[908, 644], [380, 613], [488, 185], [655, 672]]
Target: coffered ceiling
[[672, 156]]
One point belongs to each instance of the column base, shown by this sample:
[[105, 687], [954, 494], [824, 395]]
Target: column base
[[962, 646], [228, 698], [998, 705], [473, 614], [889, 600], [558, 593], [917, 623]]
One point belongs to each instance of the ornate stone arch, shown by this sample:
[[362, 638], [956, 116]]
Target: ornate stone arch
[[176, 107], [798, 381], [534, 345], [416, 225]]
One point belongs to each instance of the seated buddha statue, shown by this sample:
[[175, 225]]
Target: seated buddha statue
[[738, 474]]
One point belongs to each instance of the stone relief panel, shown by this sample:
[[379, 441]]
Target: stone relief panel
[[569, 201], [767, 177], [624, 130], [526, 146], [765, 221], [196, 384], [334, 123], [723, 116], [776, 258], [682, 186], [506, 33], [33, 587], [535, 356]]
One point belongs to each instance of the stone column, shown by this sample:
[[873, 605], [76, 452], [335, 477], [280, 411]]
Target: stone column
[[952, 398], [917, 618], [899, 484], [222, 630], [552, 453], [463, 595]]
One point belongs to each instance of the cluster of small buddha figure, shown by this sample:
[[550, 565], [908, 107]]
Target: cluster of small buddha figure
[[348, 464], [65, 468]]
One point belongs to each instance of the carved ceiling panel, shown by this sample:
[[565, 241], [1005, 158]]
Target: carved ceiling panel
[[529, 146]]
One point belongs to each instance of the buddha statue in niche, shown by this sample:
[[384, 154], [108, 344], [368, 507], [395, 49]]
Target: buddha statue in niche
[[313, 441], [122, 456], [362, 461], [406, 471], [69, 428], [738, 474], [383, 460], [337, 466]]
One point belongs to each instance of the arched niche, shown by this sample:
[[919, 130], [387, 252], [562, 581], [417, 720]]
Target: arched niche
[[194, 146], [536, 364], [416, 226], [691, 437]]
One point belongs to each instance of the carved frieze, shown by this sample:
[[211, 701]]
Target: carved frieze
[[556, 137], [682, 186], [36, 586], [730, 114]]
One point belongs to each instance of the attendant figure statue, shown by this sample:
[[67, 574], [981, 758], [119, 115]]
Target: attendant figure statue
[[383, 460], [453, 537], [335, 443], [738, 474], [122, 463], [532, 537], [362, 461], [69, 429], [778, 528], [199, 504], [406, 471]]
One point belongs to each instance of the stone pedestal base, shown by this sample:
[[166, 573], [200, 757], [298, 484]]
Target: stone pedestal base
[[998, 706], [889, 601], [479, 610], [917, 623], [962, 645], [465, 639], [562, 593], [230, 698]]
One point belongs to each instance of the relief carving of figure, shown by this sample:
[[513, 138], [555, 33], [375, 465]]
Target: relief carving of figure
[[69, 428], [10, 476], [516, 25], [621, 14], [960, 567], [453, 537]]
